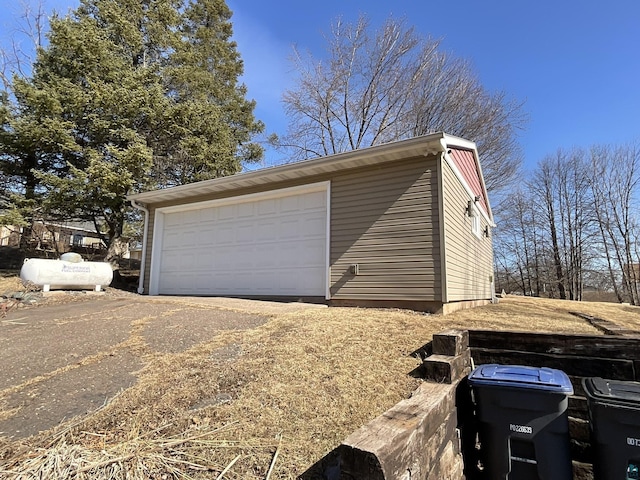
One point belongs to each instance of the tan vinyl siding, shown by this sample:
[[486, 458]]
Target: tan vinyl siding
[[385, 219], [469, 259]]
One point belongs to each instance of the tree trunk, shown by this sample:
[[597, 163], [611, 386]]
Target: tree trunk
[[118, 247], [25, 236], [556, 255]]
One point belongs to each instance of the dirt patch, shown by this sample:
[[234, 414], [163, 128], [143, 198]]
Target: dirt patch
[[181, 328], [37, 341], [72, 392], [71, 357]]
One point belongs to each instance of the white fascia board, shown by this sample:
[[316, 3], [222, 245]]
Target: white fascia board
[[452, 141]]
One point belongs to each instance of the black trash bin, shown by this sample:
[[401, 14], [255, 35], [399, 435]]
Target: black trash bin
[[614, 413], [523, 426]]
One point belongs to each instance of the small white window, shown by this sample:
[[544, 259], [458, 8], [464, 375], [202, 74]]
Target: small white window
[[475, 219], [475, 226]]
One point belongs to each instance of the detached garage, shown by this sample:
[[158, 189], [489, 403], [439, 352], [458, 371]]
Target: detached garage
[[402, 224]]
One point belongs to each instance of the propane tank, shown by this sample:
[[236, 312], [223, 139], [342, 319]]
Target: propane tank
[[66, 275]]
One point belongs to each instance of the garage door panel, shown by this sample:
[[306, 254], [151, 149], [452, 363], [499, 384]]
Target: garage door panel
[[207, 215], [176, 283], [318, 198], [190, 261], [207, 230], [172, 262], [190, 219], [172, 221], [267, 207], [290, 229], [190, 237], [312, 225], [245, 234], [267, 231], [316, 244], [172, 239], [225, 212], [200, 282], [224, 235], [179, 262], [290, 204], [294, 279], [245, 210]]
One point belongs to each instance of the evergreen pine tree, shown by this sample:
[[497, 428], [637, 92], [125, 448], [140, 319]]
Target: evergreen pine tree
[[127, 95]]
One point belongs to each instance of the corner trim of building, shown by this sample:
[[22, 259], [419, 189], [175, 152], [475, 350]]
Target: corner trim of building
[[443, 238]]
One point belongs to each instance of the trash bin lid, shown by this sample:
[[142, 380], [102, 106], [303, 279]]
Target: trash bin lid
[[518, 376], [613, 391]]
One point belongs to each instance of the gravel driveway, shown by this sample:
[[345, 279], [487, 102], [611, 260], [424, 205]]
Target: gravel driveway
[[60, 361]]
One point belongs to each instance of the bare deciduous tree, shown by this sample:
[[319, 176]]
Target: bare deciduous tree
[[391, 84], [18, 57], [574, 224], [615, 177]]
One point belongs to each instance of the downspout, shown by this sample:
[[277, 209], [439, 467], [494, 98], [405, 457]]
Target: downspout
[[144, 244]]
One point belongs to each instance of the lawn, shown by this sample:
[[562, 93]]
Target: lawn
[[269, 402]]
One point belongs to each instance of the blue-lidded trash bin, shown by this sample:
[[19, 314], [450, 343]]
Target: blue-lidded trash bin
[[523, 423], [614, 414]]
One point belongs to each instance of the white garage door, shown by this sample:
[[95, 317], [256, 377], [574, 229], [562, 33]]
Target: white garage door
[[273, 245]]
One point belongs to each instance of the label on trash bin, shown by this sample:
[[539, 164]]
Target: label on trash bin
[[634, 442], [526, 429]]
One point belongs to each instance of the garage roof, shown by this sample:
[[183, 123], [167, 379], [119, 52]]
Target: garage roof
[[413, 147]]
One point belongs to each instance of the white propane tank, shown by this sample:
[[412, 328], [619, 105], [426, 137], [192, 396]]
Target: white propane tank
[[60, 274]]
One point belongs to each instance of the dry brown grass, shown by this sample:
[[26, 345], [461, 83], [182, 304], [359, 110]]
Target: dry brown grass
[[540, 315], [279, 396], [10, 282]]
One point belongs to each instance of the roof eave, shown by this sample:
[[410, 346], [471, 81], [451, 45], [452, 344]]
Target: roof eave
[[424, 145]]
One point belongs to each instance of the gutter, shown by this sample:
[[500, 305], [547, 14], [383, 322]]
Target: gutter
[[144, 244]]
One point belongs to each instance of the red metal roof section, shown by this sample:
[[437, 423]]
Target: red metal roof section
[[466, 164]]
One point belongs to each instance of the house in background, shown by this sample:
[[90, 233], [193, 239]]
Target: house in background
[[10, 235], [405, 224], [54, 236]]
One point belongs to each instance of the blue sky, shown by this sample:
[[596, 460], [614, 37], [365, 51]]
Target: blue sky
[[575, 64]]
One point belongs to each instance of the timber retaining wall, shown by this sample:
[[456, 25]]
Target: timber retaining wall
[[433, 434]]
